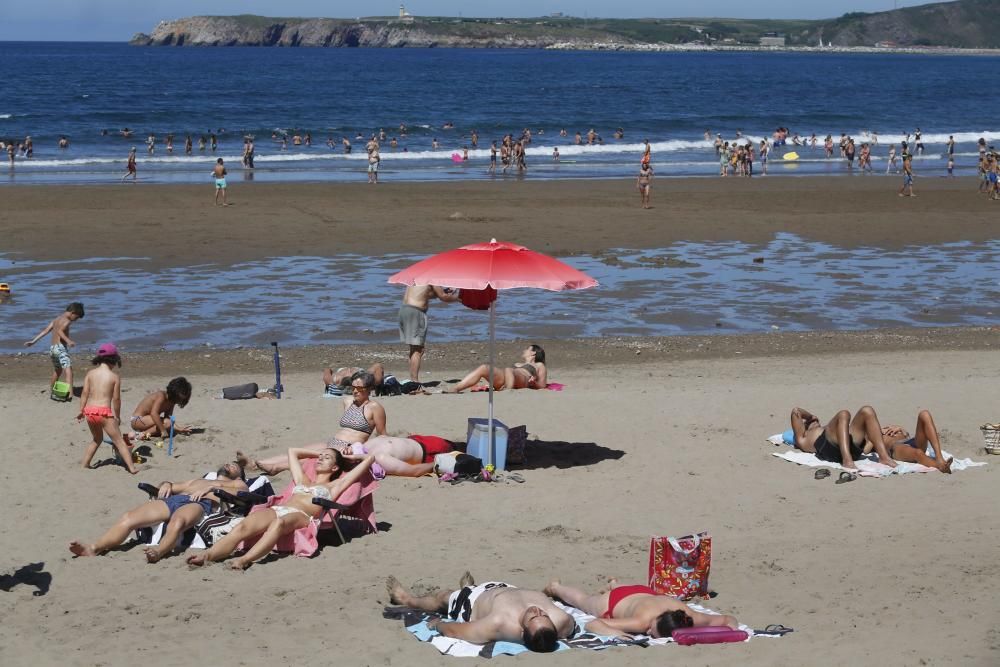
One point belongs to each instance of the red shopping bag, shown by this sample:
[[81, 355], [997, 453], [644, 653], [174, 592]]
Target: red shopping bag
[[679, 566]]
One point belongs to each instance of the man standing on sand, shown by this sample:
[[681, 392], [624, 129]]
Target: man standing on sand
[[907, 176], [413, 320], [219, 174]]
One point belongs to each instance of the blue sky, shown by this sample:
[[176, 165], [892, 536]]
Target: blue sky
[[117, 20]]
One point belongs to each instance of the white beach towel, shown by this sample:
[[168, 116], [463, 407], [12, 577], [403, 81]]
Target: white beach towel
[[867, 467]]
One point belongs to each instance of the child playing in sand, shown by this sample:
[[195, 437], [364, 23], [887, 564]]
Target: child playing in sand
[[152, 415], [60, 342], [101, 405]]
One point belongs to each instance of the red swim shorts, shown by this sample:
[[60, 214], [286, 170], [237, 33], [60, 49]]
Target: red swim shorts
[[431, 444]]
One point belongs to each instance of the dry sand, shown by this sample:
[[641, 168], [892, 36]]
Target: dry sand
[[899, 571], [651, 437]]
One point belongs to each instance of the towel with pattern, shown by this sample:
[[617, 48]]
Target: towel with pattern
[[415, 622]]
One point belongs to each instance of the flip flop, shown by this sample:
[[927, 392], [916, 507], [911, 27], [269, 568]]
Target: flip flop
[[846, 477], [774, 630], [822, 473]]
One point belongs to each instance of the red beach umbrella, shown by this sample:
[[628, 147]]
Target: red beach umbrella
[[498, 265]]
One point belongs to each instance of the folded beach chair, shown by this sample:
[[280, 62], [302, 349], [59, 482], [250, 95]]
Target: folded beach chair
[[356, 503]]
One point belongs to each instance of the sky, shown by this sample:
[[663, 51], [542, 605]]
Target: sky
[[118, 20]]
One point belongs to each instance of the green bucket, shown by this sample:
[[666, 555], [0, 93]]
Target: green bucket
[[61, 391]]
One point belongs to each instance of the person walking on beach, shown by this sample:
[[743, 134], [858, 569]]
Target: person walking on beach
[[892, 166], [61, 342], [413, 320], [907, 187], [493, 158], [644, 183], [219, 174], [101, 406], [130, 167]]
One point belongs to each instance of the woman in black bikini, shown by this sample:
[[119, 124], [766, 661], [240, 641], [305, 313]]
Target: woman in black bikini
[[530, 373]]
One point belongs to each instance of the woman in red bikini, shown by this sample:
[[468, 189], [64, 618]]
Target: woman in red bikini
[[637, 609]]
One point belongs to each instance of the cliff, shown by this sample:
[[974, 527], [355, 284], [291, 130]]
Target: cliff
[[370, 33], [973, 24]]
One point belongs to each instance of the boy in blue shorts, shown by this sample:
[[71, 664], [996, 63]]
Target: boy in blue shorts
[[61, 342]]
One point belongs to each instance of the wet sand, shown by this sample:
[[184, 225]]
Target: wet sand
[[179, 226]]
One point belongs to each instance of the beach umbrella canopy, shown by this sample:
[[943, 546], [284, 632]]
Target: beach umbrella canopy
[[498, 265]]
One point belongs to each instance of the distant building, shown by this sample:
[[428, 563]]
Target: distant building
[[772, 39], [556, 15], [404, 15], [887, 44]]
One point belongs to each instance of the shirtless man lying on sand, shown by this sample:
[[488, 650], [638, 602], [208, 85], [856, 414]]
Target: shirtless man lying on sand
[[864, 433], [181, 504], [632, 610], [490, 612]]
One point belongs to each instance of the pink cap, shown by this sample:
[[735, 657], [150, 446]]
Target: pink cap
[[107, 350]]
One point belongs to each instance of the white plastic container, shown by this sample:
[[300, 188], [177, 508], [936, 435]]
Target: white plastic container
[[477, 440]]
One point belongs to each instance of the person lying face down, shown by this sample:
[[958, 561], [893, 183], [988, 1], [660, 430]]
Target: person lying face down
[[490, 612], [181, 504], [335, 382], [628, 610]]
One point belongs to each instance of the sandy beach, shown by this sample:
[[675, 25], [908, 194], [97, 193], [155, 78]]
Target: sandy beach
[[652, 436]]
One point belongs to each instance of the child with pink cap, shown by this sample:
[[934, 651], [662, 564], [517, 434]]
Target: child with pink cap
[[101, 405]]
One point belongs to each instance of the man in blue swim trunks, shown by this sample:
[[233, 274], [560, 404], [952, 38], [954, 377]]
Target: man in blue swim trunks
[[219, 174], [181, 504]]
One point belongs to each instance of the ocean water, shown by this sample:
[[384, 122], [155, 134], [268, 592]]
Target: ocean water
[[686, 288], [81, 90]]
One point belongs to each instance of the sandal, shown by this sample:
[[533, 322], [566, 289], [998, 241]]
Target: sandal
[[846, 477], [822, 473]]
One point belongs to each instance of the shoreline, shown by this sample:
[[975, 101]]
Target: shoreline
[[578, 354]]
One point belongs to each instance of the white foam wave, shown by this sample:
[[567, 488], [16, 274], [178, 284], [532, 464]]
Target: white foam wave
[[5, 116]]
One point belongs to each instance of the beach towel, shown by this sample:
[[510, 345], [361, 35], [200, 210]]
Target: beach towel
[[193, 538], [868, 466], [415, 622], [552, 386], [303, 542]]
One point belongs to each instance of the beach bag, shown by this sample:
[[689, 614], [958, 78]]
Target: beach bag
[[390, 387], [478, 299], [458, 463], [679, 566], [240, 392], [517, 444]]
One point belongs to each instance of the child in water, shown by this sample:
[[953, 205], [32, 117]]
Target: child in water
[[101, 405]]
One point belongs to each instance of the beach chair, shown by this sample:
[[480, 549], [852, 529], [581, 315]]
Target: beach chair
[[355, 504], [232, 507]]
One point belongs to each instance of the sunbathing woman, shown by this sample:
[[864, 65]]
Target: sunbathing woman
[[531, 373], [636, 609], [270, 524], [361, 418], [903, 447]]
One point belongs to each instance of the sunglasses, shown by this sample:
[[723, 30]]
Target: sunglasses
[[355, 387]]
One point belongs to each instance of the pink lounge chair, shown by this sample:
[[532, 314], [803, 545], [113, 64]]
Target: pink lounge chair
[[356, 503]]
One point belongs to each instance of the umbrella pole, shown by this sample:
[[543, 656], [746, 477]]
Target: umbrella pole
[[490, 434]]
